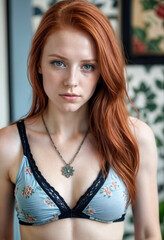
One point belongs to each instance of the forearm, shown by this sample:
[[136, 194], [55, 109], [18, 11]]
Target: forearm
[[159, 237], [7, 234], [148, 233], [7, 237]]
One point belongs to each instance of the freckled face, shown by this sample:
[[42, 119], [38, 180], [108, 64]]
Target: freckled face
[[69, 69]]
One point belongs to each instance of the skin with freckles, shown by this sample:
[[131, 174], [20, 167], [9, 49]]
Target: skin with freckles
[[70, 70]]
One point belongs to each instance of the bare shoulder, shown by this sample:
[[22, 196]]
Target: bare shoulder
[[9, 144], [141, 130], [146, 142]]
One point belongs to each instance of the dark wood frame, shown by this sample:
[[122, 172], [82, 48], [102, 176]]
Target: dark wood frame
[[126, 33]]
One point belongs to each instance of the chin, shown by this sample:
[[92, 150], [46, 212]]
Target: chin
[[69, 109]]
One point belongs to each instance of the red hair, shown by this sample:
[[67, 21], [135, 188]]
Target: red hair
[[108, 115]]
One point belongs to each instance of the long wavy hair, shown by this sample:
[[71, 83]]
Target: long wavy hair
[[108, 114]]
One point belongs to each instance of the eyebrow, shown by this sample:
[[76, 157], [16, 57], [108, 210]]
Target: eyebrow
[[64, 58]]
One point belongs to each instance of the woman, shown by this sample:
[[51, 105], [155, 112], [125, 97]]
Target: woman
[[77, 160]]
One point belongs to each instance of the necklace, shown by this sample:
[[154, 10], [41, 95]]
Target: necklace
[[67, 170]]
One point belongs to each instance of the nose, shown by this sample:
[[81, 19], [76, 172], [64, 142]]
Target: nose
[[71, 78]]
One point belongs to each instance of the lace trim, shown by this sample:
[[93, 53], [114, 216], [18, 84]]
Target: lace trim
[[25, 223], [90, 193], [51, 192], [21, 133], [121, 218]]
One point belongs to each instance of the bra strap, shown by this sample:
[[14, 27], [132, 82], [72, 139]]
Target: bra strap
[[22, 134]]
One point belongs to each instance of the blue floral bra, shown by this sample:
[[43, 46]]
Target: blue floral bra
[[37, 202]]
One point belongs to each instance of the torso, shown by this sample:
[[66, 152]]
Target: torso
[[86, 168], [74, 229]]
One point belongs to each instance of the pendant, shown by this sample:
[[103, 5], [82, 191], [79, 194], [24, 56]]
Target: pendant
[[67, 171]]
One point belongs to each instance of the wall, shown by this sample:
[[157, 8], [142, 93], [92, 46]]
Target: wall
[[4, 94], [20, 34]]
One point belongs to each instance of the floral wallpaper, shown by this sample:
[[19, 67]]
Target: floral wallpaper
[[145, 88], [148, 23]]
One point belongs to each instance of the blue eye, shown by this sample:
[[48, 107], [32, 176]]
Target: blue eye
[[58, 63], [88, 67]]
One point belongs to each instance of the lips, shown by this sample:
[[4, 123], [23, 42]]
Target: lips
[[69, 97]]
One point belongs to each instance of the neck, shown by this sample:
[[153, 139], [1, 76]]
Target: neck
[[67, 124]]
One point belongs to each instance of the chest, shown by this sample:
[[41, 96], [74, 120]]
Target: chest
[[86, 165], [43, 194], [104, 200]]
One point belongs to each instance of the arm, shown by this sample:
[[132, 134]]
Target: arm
[[6, 186], [145, 209], [6, 207]]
